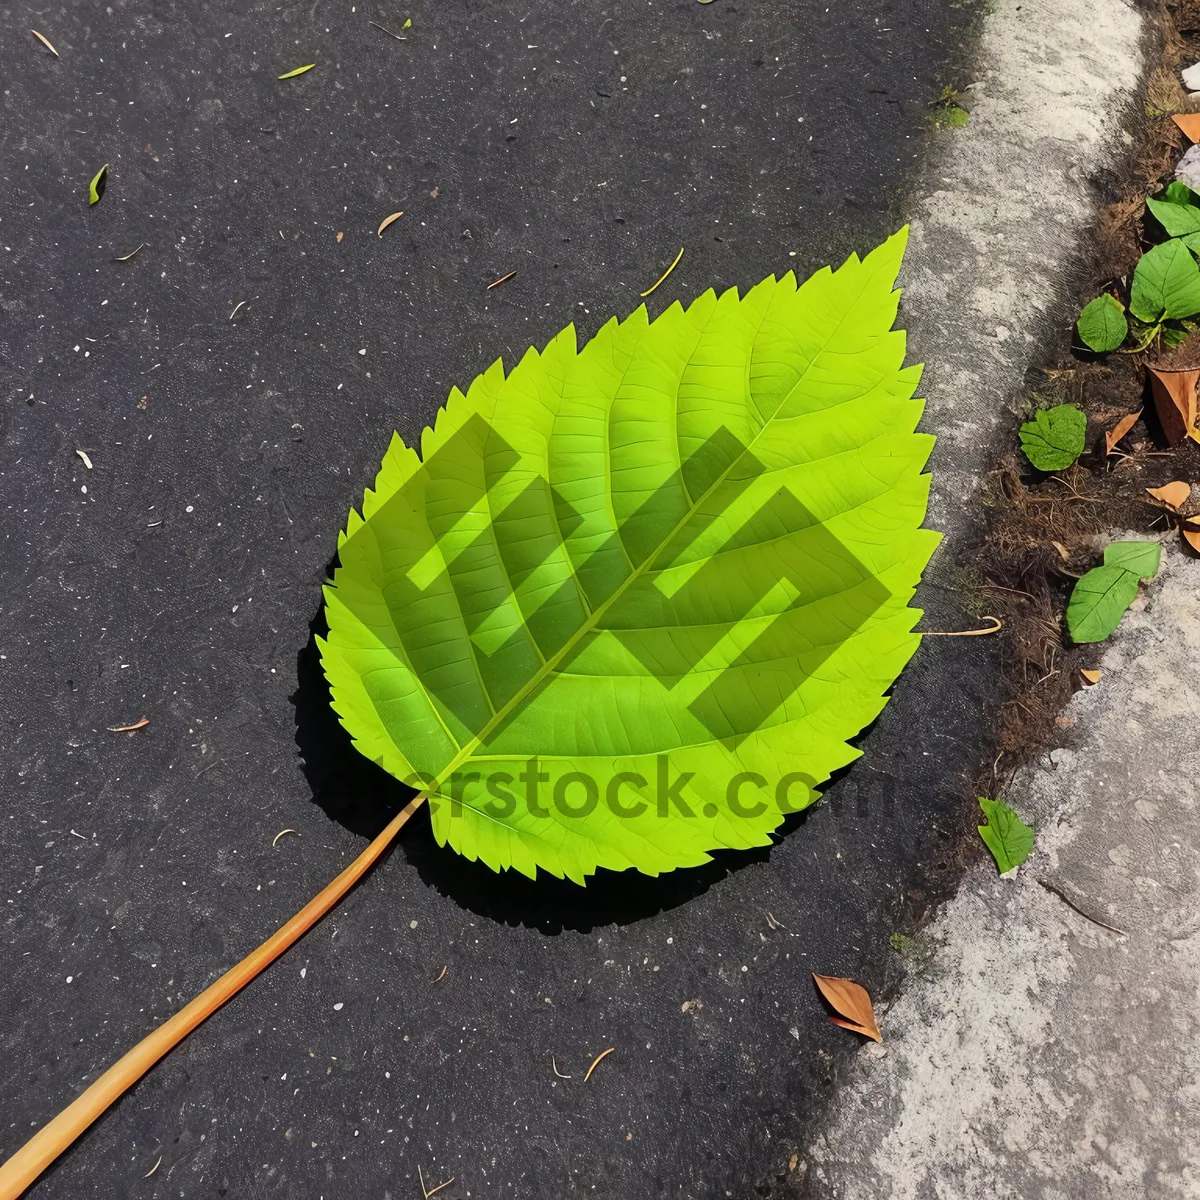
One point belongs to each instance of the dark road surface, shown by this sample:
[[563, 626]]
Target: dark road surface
[[580, 145]]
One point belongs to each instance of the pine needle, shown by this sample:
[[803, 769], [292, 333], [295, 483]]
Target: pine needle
[[654, 286], [41, 37], [599, 1058]]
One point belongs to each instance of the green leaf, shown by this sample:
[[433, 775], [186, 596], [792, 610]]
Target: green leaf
[[297, 71], [1102, 325], [96, 187], [632, 601], [1178, 192], [1142, 558], [1008, 837], [1166, 283], [1098, 602], [407, 24], [1055, 437], [1177, 217]]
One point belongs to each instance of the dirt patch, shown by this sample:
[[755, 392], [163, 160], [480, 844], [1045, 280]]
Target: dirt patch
[[1043, 531]]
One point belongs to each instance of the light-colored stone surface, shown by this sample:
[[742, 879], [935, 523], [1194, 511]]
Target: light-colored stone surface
[[1006, 203], [1034, 1054]]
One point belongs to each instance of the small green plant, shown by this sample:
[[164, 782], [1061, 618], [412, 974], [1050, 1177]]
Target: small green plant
[[1008, 837], [947, 112], [1102, 324], [96, 187], [1165, 291], [1055, 437], [1101, 597]]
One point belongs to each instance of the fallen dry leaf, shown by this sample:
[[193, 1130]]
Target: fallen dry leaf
[[1175, 402], [1189, 123], [1063, 552], [140, 724], [388, 220], [1174, 495], [1191, 534], [1121, 428], [1090, 677], [340, 236], [852, 1002]]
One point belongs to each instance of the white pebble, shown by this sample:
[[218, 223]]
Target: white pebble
[[337, 1007]]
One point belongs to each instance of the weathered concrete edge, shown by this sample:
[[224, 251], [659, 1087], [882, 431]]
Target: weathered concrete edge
[[1047, 1045], [1002, 215], [1004, 207]]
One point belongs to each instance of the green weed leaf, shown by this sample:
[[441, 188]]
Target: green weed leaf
[[1102, 325], [1098, 602], [1055, 437], [96, 187], [1008, 837], [297, 71], [1166, 284], [1142, 558], [1178, 217], [632, 600]]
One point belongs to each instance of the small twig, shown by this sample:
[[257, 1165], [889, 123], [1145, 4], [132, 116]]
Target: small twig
[[557, 1071], [281, 833], [999, 587], [127, 257], [497, 282], [437, 1189], [233, 314], [388, 32], [663, 276], [153, 1168], [443, 974], [774, 922], [965, 632], [599, 1057], [139, 724], [1050, 887]]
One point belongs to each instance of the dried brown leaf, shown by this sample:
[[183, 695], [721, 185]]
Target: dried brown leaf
[[1189, 123], [1120, 429], [1175, 402], [1063, 552], [1174, 495], [852, 1003], [1090, 677], [340, 236]]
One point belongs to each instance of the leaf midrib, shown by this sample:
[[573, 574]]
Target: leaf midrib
[[550, 665]]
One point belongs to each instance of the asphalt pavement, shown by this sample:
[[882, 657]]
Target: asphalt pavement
[[233, 386]]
